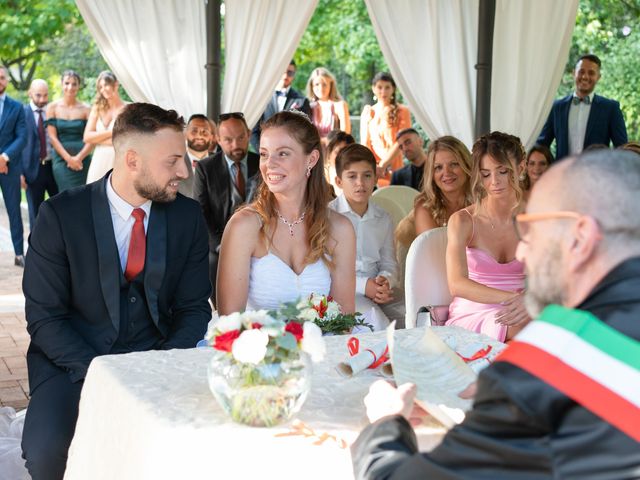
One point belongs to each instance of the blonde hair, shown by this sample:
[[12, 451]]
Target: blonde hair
[[110, 79], [431, 196], [316, 198], [334, 95], [505, 149]]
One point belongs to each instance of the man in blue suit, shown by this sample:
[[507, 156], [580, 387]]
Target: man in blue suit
[[36, 158], [116, 266], [13, 133], [584, 118]]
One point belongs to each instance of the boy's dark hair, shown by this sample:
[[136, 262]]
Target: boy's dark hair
[[592, 58], [145, 118], [335, 137], [354, 153]]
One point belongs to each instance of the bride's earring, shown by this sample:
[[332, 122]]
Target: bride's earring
[[308, 171]]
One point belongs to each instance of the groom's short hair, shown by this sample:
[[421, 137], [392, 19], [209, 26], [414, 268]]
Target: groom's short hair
[[145, 119]]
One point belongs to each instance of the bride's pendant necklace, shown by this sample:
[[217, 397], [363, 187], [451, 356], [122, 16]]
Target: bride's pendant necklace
[[291, 224]]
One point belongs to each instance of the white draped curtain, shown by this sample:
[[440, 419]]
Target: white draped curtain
[[156, 49], [528, 62], [431, 48], [260, 40]]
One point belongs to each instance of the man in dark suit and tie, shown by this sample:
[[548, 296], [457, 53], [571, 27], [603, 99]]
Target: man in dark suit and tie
[[116, 266], [284, 98], [13, 133], [584, 118], [199, 134], [410, 144], [36, 160], [225, 181]]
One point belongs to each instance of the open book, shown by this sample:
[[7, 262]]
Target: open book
[[438, 372]]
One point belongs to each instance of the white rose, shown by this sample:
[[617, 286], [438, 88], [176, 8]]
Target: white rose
[[227, 323], [333, 310], [256, 316], [308, 314], [312, 341], [250, 346]]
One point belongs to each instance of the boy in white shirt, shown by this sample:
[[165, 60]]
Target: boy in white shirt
[[376, 265]]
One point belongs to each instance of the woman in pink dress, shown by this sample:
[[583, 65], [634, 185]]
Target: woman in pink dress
[[485, 278], [328, 110]]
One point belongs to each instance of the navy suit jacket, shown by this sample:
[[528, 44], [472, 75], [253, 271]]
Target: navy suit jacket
[[31, 150], [13, 132], [295, 101], [409, 175], [72, 274], [605, 125]]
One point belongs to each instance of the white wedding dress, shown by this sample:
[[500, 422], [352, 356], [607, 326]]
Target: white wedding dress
[[11, 461], [103, 155], [273, 282]]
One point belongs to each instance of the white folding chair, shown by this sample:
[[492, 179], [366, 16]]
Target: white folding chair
[[390, 206], [400, 194], [425, 281]]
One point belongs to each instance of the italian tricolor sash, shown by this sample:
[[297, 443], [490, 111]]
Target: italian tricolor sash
[[590, 362]]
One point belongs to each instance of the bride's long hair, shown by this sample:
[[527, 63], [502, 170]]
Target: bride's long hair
[[316, 196]]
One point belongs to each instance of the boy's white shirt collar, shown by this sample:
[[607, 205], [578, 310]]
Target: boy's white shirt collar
[[342, 206]]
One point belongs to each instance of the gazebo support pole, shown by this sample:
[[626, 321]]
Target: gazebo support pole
[[486, 20], [213, 67]]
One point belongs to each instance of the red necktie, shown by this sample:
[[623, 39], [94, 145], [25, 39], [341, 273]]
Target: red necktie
[[41, 135], [240, 180], [194, 163], [137, 246]]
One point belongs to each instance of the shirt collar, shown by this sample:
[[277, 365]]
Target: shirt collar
[[121, 206], [230, 162], [34, 107], [342, 206], [591, 95]]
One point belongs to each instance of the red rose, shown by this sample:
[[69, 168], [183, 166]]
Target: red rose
[[255, 325], [225, 340], [295, 329]]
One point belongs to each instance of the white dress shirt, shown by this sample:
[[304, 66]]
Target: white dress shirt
[[578, 118], [123, 221], [375, 253], [282, 99]]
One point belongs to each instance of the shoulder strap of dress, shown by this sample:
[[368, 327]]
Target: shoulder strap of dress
[[473, 226]]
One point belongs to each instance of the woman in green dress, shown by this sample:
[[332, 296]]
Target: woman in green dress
[[66, 120]]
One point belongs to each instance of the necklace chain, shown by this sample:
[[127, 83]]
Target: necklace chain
[[290, 224]]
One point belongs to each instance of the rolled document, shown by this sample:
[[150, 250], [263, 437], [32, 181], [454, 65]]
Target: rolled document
[[362, 360]]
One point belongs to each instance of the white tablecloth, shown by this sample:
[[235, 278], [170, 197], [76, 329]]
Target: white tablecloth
[[150, 415]]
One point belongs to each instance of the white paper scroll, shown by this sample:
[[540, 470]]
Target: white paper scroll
[[362, 360], [438, 373]]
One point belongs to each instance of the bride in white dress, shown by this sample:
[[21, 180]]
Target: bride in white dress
[[106, 108], [287, 244]]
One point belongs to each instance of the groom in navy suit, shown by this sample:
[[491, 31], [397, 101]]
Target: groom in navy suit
[[584, 118], [117, 266], [12, 138]]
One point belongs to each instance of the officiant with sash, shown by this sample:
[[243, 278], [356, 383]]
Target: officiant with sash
[[562, 401], [116, 266]]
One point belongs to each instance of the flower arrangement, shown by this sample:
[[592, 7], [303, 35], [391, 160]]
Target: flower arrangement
[[260, 375], [325, 312]]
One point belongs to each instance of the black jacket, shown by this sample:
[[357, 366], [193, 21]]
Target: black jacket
[[519, 427], [409, 175]]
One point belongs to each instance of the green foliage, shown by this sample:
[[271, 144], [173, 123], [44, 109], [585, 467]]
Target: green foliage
[[26, 28], [340, 37], [611, 30]]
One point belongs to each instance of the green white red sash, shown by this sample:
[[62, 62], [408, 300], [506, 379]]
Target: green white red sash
[[587, 360]]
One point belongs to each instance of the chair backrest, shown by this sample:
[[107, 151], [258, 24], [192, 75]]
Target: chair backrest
[[425, 280], [390, 206], [400, 194]]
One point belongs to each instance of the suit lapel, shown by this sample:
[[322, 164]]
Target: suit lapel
[[107, 251], [6, 111], [156, 257], [564, 113], [253, 175]]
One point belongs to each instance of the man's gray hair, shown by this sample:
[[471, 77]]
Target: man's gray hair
[[605, 184]]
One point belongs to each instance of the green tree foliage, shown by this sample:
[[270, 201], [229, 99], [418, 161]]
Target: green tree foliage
[[26, 29], [340, 37], [611, 30]]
